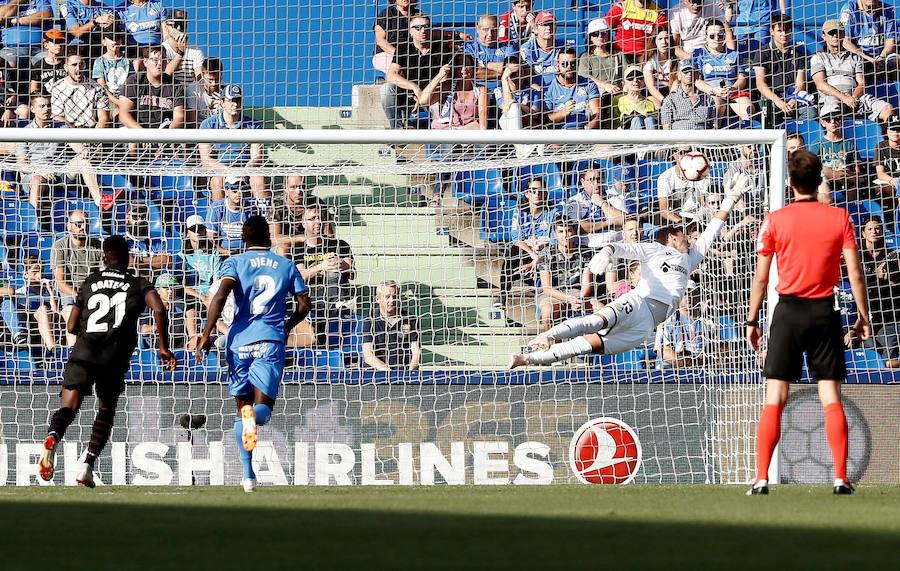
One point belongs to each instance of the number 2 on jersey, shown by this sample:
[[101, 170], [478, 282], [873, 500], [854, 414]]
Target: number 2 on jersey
[[102, 303], [265, 287]]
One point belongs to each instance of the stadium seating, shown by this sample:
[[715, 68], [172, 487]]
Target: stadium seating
[[154, 217], [864, 359], [865, 135], [557, 191], [496, 218], [19, 218], [60, 211], [475, 187]]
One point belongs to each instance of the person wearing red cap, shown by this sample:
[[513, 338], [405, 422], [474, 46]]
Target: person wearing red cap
[[516, 25], [541, 50], [635, 23]]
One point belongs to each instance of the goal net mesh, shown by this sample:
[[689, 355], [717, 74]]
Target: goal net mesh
[[453, 227]]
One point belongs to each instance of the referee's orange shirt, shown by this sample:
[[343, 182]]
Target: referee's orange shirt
[[807, 238]]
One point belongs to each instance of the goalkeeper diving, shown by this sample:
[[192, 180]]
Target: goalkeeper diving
[[630, 320]]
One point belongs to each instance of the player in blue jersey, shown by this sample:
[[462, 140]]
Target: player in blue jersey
[[723, 74], [254, 349]]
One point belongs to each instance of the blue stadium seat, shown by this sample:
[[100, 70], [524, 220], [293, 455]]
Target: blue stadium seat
[[864, 359], [59, 214], [315, 359], [865, 135], [157, 228], [557, 190], [186, 359], [199, 206], [810, 130], [474, 187], [496, 218], [634, 360], [19, 218], [728, 330], [171, 188], [114, 183]]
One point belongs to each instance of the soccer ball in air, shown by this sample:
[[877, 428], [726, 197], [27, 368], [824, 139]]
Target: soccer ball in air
[[694, 166]]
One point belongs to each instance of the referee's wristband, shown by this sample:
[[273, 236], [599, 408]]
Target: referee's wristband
[[752, 323]]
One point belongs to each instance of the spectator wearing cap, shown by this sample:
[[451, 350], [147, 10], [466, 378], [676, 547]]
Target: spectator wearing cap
[[840, 160], [391, 29], [541, 50], [25, 24], [143, 20], [722, 74], [112, 68], [221, 156], [182, 331], [780, 72], [152, 99], [488, 53], [589, 207], [688, 21], [225, 218], [559, 268], [149, 254], [288, 215], [840, 80], [203, 97], [680, 199], [49, 69], [635, 23], [603, 62], [871, 33], [79, 100], [390, 341], [634, 109], [887, 164], [185, 61], [659, 69], [686, 107], [415, 64], [199, 262], [86, 21], [570, 100], [516, 25]]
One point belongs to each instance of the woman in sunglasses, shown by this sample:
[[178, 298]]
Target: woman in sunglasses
[[722, 74]]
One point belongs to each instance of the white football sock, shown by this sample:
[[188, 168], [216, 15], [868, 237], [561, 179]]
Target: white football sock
[[560, 352], [578, 326]]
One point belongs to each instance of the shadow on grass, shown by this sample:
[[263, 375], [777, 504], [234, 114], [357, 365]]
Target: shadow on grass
[[244, 536]]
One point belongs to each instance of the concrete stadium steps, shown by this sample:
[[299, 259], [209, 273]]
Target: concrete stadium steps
[[391, 227], [434, 267], [482, 346]]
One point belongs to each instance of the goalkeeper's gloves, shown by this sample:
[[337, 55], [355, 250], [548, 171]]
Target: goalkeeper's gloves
[[601, 260], [735, 189]]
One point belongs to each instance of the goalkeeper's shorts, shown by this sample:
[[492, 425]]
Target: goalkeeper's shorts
[[810, 326]]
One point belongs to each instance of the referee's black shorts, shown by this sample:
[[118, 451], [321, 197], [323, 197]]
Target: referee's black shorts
[[810, 326], [109, 379]]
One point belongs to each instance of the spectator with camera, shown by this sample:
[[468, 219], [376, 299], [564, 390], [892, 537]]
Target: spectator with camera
[[185, 62], [143, 20], [460, 103], [390, 341]]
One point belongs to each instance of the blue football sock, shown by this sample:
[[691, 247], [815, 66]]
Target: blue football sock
[[246, 457], [263, 413]]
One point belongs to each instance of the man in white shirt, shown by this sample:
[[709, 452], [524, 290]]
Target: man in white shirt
[[688, 22], [631, 319]]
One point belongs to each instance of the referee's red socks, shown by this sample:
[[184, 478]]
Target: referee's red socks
[[767, 434], [836, 433]]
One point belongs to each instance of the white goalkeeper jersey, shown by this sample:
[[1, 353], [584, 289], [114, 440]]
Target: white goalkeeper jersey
[[665, 271]]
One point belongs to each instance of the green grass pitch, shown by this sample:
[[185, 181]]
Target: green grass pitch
[[561, 527]]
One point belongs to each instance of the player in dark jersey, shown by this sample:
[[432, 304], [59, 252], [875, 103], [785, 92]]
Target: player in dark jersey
[[105, 320]]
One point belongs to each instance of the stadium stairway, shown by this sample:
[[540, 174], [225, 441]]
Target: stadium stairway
[[446, 271]]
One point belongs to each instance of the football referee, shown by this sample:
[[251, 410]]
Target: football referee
[[808, 239]]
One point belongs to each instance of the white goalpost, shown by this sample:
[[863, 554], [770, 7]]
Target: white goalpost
[[437, 217]]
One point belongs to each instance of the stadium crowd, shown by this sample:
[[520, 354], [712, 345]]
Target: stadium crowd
[[701, 64]]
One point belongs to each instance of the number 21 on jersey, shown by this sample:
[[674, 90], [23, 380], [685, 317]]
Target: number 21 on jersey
[[100, 304]]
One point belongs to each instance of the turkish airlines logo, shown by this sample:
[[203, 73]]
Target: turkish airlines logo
[[605, 451]]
